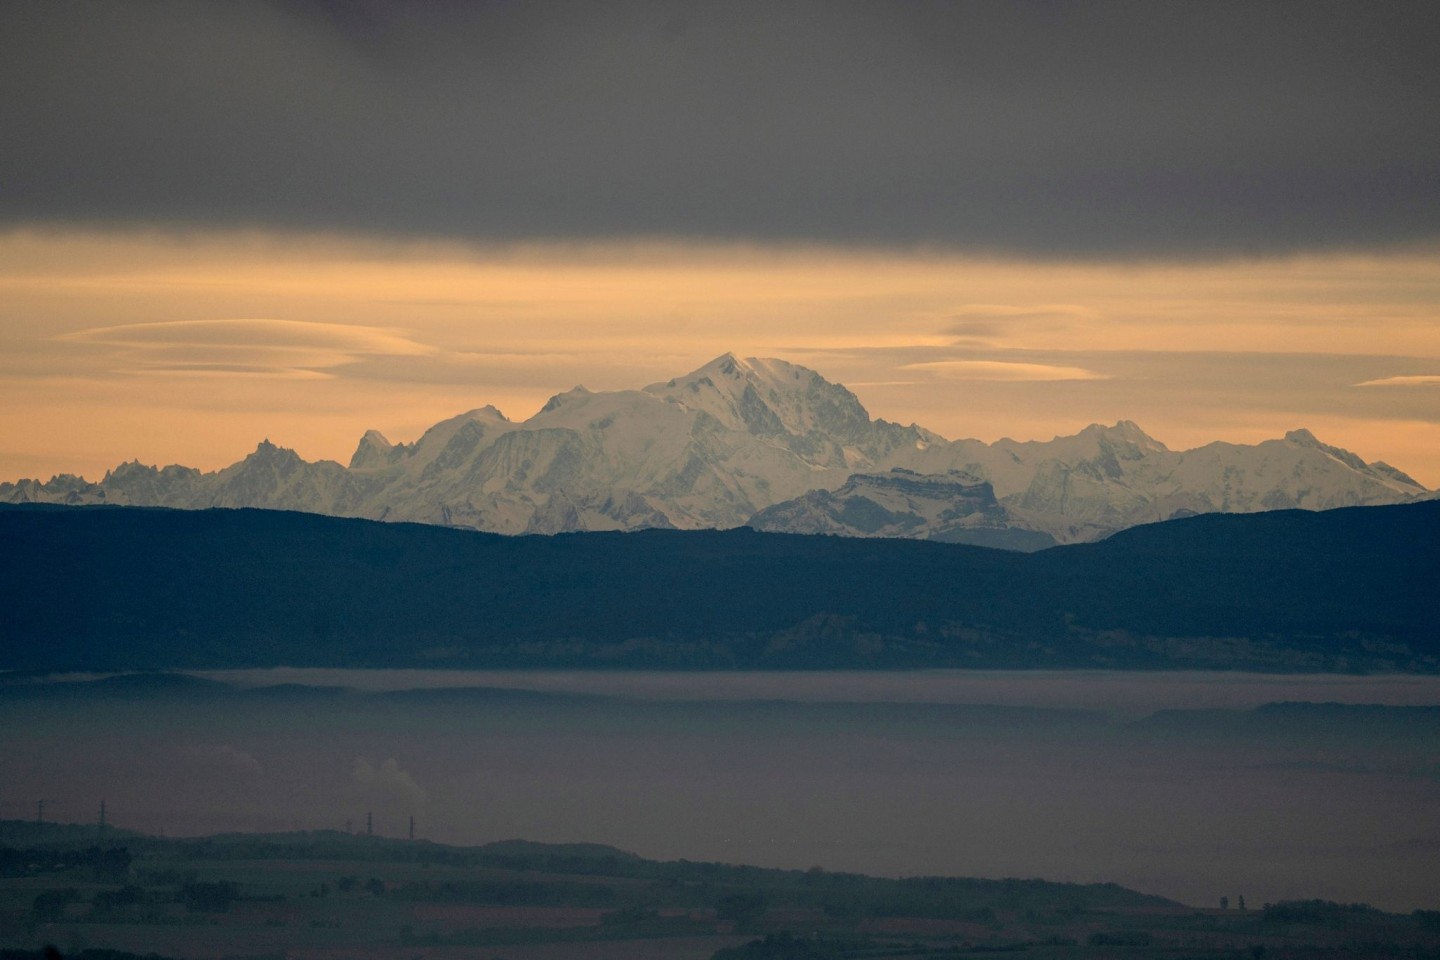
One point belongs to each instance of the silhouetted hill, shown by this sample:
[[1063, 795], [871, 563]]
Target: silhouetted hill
[[133, 588], [930, 896]]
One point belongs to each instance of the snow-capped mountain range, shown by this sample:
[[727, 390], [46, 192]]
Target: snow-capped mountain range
[[764, 442]]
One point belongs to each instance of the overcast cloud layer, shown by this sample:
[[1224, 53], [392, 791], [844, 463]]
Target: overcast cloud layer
[[1048, 129]]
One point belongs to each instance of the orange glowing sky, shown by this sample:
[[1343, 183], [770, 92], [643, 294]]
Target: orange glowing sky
[[191, 347], [300, 219]]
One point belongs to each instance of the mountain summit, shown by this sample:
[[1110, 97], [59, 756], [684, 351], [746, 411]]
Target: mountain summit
[[756, 438]]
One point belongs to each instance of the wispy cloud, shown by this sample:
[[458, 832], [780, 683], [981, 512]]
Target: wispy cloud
[[1003, 370], [246, 347], [987, 321], [1420, 380]]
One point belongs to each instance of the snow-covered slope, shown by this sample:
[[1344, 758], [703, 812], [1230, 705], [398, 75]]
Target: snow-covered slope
[[1104, 479], [721, 444]]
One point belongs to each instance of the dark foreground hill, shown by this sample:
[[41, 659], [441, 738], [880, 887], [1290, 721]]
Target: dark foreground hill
[[327, 893], [131, 588], [572, 860]]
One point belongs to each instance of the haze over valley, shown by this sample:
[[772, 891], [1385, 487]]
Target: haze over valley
[[1125, 778]]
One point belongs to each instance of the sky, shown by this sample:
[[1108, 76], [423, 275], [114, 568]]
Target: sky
[[221, 223]]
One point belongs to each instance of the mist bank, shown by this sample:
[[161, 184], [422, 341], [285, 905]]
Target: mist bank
[[133, 588], [1270, 800]]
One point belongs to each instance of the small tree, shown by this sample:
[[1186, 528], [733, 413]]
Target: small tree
[[1224, 903]]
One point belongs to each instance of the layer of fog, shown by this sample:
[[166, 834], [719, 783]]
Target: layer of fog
[[1172, 784]]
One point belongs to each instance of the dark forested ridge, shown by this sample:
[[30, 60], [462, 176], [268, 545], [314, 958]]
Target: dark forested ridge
[[132, 588]]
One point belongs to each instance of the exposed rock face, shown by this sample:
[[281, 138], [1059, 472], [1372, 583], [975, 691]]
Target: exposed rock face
[[761, 441], [954, 507]]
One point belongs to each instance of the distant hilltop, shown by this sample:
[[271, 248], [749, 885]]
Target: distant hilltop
[[765, 443]]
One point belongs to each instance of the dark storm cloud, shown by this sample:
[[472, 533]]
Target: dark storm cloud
[[1041, 128]]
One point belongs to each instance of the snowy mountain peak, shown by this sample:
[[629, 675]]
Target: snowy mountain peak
[[560, 399], [1124, 432], [726, 364], [1129, 431], [1305, 438], [127, 470], [767, 397], [1399, 476], [726, 374], [489, 412], [267, 453], [373, 451]]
